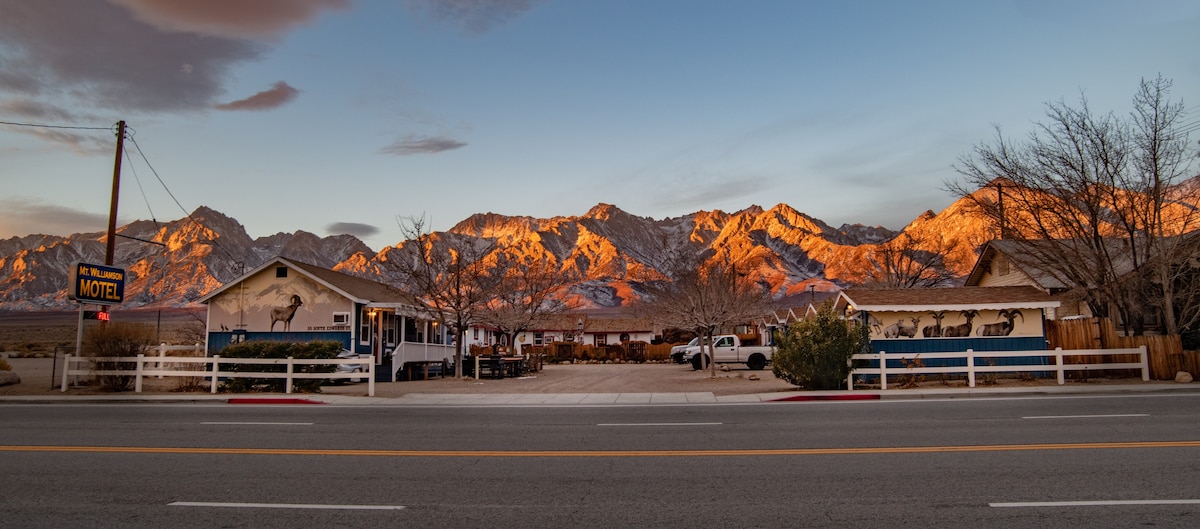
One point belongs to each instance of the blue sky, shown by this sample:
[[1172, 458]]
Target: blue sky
[[338, 116]]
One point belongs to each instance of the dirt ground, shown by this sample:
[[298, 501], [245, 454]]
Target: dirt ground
[[40, 376]]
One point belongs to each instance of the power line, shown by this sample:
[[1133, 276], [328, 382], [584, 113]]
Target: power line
[[172, 195], [43, 126]]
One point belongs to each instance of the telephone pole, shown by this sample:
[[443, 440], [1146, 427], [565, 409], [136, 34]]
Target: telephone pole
[[111, 243]]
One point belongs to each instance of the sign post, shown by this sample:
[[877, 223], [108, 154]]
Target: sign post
[[96, 284]]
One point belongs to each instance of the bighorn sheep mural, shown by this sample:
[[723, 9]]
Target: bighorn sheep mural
[[899, 329], [1003, 328], [962, 329], [936, 329], [285, 314]]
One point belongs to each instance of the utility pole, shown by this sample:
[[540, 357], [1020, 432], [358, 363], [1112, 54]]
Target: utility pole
[[110, 247]]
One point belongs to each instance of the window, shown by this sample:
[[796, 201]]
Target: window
[[601, 339], [537, 338], [341, 319], [389, 328], [281, 271], [364, 327]]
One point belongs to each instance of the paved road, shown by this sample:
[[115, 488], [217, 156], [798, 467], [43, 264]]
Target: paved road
[[959, 463]]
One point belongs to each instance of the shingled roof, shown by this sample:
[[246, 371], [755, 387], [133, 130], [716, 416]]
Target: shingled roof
[[933, 299], [358, 289]]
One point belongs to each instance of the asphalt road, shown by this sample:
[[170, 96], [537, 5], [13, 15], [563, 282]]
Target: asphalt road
[[1024, 462]]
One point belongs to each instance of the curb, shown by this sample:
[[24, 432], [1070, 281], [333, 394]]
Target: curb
[[252, 400]]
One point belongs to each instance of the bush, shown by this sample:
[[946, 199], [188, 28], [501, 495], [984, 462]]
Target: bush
[[815, 353], [4, 365], [327, 349], [117, 339]]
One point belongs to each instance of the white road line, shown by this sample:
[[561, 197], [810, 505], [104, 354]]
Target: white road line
[[1087, 416], [1093, 503], [261, 423], [661, 424], [286, 506]]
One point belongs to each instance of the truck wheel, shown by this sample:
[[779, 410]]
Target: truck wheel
[[756, 362], [699, 362]]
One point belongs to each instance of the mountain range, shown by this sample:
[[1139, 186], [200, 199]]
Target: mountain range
[[174, 264]]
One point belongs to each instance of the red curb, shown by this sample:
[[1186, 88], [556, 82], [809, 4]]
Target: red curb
[[800, 398], [274, 401]]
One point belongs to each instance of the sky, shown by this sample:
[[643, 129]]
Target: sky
[[353, 116]]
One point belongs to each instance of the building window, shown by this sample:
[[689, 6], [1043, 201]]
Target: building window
[[281, 272], [364, 327], [537, 338], [601, 339]]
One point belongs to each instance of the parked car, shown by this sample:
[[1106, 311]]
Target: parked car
[[350, 368], [678, 351]]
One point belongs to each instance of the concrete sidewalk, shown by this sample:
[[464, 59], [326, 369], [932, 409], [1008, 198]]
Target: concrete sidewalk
[[612, 399]]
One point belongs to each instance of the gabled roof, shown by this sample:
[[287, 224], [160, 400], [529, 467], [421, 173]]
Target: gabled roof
[[1024, 255], [357, 289], [934, 299]]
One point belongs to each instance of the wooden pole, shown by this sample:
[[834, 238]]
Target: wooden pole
[[111, 242]]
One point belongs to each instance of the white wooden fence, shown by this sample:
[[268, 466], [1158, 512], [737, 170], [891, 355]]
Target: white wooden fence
[[980, 362], [210, 367]]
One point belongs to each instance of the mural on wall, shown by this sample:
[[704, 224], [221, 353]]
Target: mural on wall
[[266, 303], [952, 324], [285, 314]]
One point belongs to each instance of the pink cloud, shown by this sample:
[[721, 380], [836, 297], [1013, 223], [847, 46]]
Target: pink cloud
[[278, 95], [231, 18]]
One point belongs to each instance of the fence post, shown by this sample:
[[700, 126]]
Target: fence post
[[882, 370], [1145, 356], [137, 380], [1058, 361], [289, 376], [371, 377], [971, 367], [66, 368], [216, 363], [162, 351]]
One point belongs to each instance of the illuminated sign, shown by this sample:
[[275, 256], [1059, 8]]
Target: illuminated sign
[[101, 315], [103, 285]]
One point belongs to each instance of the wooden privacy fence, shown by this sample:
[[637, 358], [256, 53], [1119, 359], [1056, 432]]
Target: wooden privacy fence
[[210, 367], [975, 362], [1165, 353]]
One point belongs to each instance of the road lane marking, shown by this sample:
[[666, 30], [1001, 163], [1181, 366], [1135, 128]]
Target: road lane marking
[[286, 506], [660, 424], [1087, 416], [1101, 503], [243, 423], [599, 453]]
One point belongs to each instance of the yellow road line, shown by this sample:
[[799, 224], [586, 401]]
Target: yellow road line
[[599, 453]]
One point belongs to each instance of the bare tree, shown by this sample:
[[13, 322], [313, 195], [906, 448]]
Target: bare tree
[[448, 273], [1095, 197], [911, 261], [525, 291], [704, 295]]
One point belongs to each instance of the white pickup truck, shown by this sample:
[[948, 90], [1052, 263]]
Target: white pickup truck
[[728, 349]]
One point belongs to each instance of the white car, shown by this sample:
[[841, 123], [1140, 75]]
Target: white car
[[678, 351]]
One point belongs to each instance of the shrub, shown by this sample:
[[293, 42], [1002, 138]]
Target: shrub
[[4, 366], [327, 349], [117, 339], [815, 353]]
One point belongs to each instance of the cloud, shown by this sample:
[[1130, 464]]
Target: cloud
[[703, 195], [21, 217], [473, 16], [96, 55], [422, 145], [352, 228], [280, 94], [231, 18]]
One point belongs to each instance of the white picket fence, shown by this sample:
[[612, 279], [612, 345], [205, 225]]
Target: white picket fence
[[209, 367], [980, 362]]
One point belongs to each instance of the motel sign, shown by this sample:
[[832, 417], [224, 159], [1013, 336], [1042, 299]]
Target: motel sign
[[99, 284]]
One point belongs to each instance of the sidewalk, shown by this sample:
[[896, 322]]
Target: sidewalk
[[609, 399]]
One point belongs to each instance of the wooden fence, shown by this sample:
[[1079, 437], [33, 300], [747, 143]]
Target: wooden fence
[[1166, 354]]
